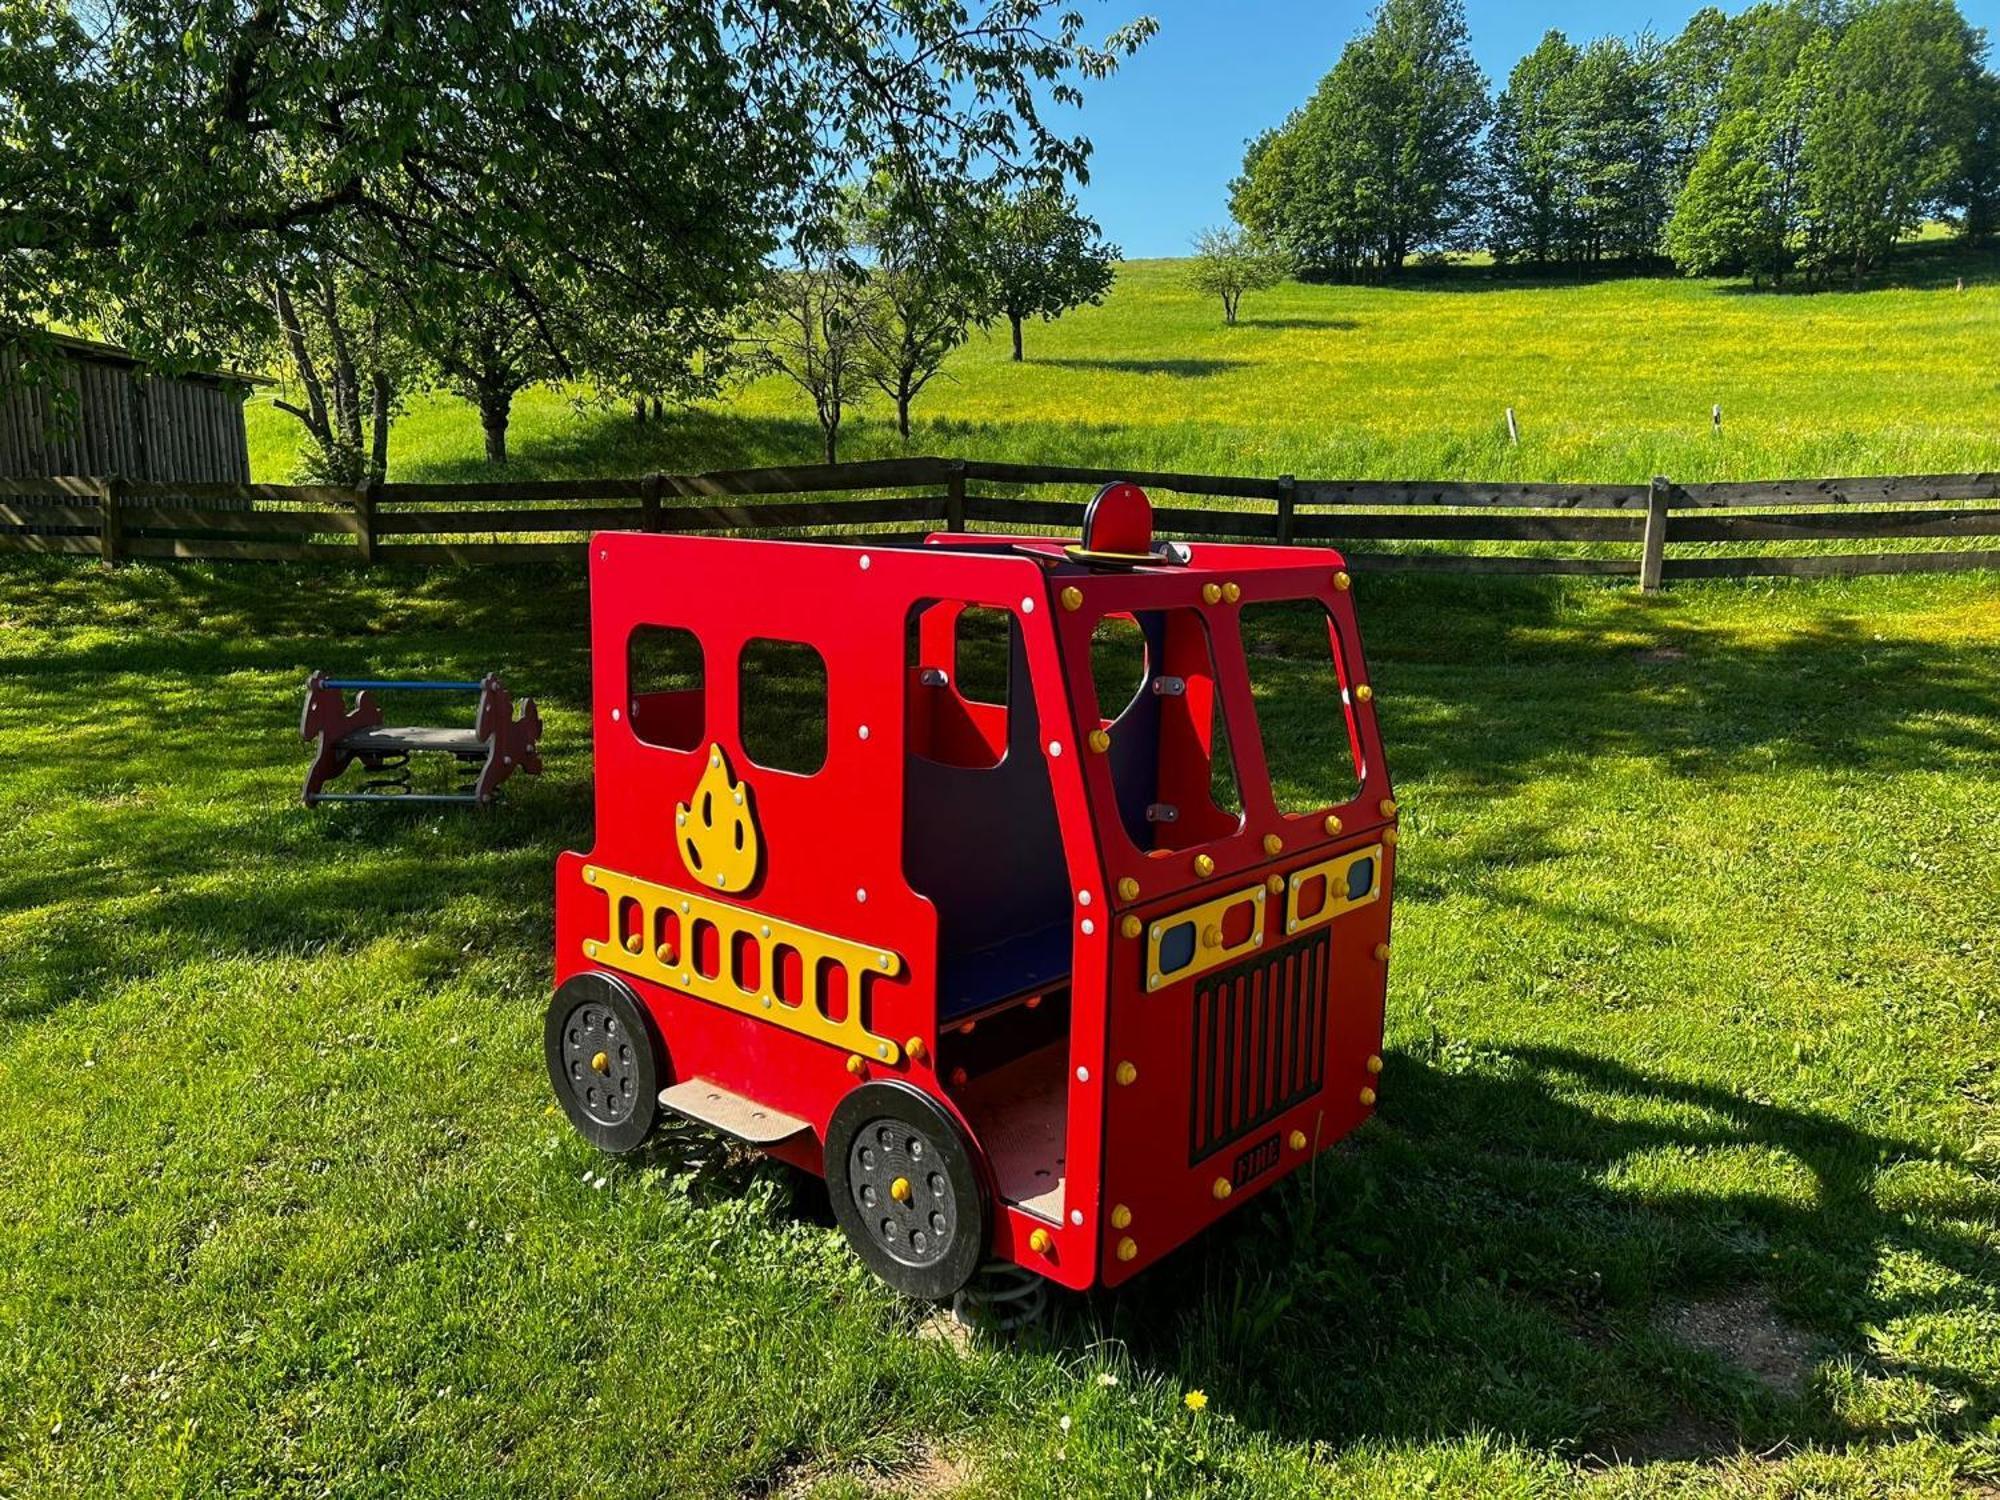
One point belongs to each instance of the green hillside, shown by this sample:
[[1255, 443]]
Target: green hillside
[[1611, 380]]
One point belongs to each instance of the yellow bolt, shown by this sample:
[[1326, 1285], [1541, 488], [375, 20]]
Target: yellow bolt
[[915, 1047], [855, 1065], [1120, 1216], [1211, 936], [900, 1190], [1273, 844], [1298, 1140], [601, 1063], [1381, 953], [1128, 1248], [1126, 1073], [1388, 807], [1131, 926], [1039, 1242], [1368, 1096], [664, 953], [633, 944], [1363, 693], [1128, 889], [1275, 884], [1332, 823], [1100, 740], [1342, 582], [1222, 1189], [1375, 1064], [1203, 865], [1211, 592], [1231, 592], [1389, 837], [1072, 597]]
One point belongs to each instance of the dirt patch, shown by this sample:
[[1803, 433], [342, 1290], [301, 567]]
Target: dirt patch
[[1743, 1329], [1659, 656], [930, 1475], [1685, 1438]]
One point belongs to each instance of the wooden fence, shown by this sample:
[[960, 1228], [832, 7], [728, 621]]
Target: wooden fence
[[1583, 528]]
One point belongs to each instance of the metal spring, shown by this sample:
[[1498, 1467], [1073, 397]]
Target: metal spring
[[1000, 1298], [390, 775]]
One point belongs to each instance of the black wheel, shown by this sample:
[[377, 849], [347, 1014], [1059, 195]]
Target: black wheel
[[605, 1061], [904, 1189]]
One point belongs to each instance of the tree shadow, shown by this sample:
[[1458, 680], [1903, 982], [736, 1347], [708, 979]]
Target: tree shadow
[[1184, 369], [1481, 1260], [1338, 324]]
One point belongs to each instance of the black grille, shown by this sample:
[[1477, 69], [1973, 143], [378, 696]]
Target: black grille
[[1259, 1043]]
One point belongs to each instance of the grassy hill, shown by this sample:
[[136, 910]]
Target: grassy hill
[[1611, 380]]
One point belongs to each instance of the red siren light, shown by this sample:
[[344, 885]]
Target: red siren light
[[1117, 528]]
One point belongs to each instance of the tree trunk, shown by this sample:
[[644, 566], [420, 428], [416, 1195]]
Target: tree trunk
[[496, 404], [903, 412], [831, 432], [659, 408], [378, 457], [1015, 319], [639, 409]]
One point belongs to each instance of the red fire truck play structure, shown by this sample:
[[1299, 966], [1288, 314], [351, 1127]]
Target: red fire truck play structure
[[1008, 973]]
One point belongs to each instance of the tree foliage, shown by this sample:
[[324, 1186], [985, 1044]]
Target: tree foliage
[[814, 334], [1038, 257], [1229, 262], [1382, 161]]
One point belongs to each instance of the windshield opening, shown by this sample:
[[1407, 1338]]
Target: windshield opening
[[1310, 752]]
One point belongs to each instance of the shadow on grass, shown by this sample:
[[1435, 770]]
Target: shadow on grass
[[1185, 369], [1303, 324], [1472, 1263]]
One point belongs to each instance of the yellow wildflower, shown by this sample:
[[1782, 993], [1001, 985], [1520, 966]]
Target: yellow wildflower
[[1195, 1400]]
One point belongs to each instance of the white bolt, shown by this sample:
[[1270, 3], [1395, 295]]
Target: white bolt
[[864, 731], [861, 894], [1055, 747], [864, 562], [1027, 606], [1083, 1075], [614, 716], [764, 930], [1083, 898], [1076, 1216], [1088, 927]]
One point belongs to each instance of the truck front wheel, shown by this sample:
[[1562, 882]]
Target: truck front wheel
[[905, 1190]]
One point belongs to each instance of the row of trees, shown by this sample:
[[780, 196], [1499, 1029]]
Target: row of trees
[[395, 195], [878, 306], [1805, 136]]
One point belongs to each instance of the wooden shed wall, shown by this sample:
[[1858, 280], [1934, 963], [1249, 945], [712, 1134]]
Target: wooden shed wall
[[146, 427]]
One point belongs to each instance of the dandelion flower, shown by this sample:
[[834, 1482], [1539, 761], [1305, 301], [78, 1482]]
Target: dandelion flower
[[1105, 1377], [1195, 1400], [1064, 1424]]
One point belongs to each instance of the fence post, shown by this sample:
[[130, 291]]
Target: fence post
[[1288, 489], [954, 498], [649, 502], [110, 520], [1653, 550], [365, 500]]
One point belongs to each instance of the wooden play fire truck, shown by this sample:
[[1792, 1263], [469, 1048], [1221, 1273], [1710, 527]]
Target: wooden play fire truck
[[1008, 965]]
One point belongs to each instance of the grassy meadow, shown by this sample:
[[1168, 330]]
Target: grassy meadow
[[1611, 380], [1686, 1178]]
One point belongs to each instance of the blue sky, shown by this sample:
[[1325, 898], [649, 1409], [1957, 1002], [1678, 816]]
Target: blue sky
[[1170, 127]]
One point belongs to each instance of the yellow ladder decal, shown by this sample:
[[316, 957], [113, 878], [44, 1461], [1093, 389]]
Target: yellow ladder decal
[[677, 969]]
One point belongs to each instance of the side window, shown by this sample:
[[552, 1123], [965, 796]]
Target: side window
[[783, 706], [1295, 680], [665, 697], [959, 671]]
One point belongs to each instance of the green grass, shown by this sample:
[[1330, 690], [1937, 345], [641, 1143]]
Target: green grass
[[1695, 1003], [1611, 380]]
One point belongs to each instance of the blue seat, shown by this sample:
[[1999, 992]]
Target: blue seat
[[1027, 964]]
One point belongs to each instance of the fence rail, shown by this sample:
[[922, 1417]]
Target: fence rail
[[1614, 529]]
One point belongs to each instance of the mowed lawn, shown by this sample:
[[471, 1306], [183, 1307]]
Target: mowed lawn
[[1686, 1174], [1610, 380]]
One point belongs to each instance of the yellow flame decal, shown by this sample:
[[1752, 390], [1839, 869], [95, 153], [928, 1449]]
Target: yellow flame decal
[[717, 832]]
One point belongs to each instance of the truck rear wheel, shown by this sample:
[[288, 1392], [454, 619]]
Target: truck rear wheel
[[904, 1189], [605, 1061]]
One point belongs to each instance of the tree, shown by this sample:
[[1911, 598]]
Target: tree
[[1693, 70], [922, 295], [167, 162], [815, 316], [1383, 160], [1040, 257], [1531, 206], [350, 368], [1975, 189], [1886, 130], [1229, 262]]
